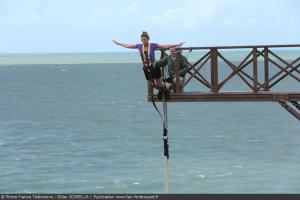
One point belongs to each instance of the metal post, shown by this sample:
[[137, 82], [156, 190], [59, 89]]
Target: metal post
[[255, 89], [266, 62], [150, 89], [177, 74], [214, 70]]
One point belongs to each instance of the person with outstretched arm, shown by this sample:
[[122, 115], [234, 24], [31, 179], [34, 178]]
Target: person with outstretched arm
[[151, 67]]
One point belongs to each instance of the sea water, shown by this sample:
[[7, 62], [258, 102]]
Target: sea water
[[88, 128]]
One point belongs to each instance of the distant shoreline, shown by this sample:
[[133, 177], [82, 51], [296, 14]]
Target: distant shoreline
[[115, 57], [105, 63]]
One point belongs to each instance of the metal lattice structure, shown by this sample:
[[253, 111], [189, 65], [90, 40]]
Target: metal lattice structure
[[258, 90]]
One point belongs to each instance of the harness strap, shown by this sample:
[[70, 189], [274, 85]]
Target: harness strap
[[145, 57]]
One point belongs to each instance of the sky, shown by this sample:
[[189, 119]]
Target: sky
[[46, 26]]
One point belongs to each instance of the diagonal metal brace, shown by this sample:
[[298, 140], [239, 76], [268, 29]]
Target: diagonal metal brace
[[289, 109], [296, 104]]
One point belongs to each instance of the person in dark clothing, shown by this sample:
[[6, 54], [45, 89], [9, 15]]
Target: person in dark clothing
[[170, 62]]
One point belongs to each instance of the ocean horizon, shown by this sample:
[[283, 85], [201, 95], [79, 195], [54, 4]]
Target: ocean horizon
[[117, 57]]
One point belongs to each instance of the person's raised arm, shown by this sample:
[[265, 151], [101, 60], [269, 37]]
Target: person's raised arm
[[129, 46], [168, 46]]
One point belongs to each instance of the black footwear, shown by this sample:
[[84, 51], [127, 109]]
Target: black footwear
[[160, 95], [166, 93], [163, 92], [169, 80]]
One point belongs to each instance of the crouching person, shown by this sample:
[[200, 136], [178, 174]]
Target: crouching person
[[171, 66]]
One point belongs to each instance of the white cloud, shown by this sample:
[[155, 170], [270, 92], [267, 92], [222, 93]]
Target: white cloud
[[113, 14], [100, 15], [135, 6], [189, 15], [21, 14]]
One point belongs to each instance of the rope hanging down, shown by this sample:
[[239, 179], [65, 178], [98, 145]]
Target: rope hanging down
[[165, 137], [166, 144], [154, 104], [164, 119]]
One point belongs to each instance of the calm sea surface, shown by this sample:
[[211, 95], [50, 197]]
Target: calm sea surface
[[88, 128]]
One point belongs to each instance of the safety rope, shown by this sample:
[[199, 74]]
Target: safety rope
[[153, 102], [165, 138], [164, 119]]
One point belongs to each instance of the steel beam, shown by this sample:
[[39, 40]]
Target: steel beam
[[230, 97]]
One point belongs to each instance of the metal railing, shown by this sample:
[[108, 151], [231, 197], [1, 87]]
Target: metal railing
[[213, 55]]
